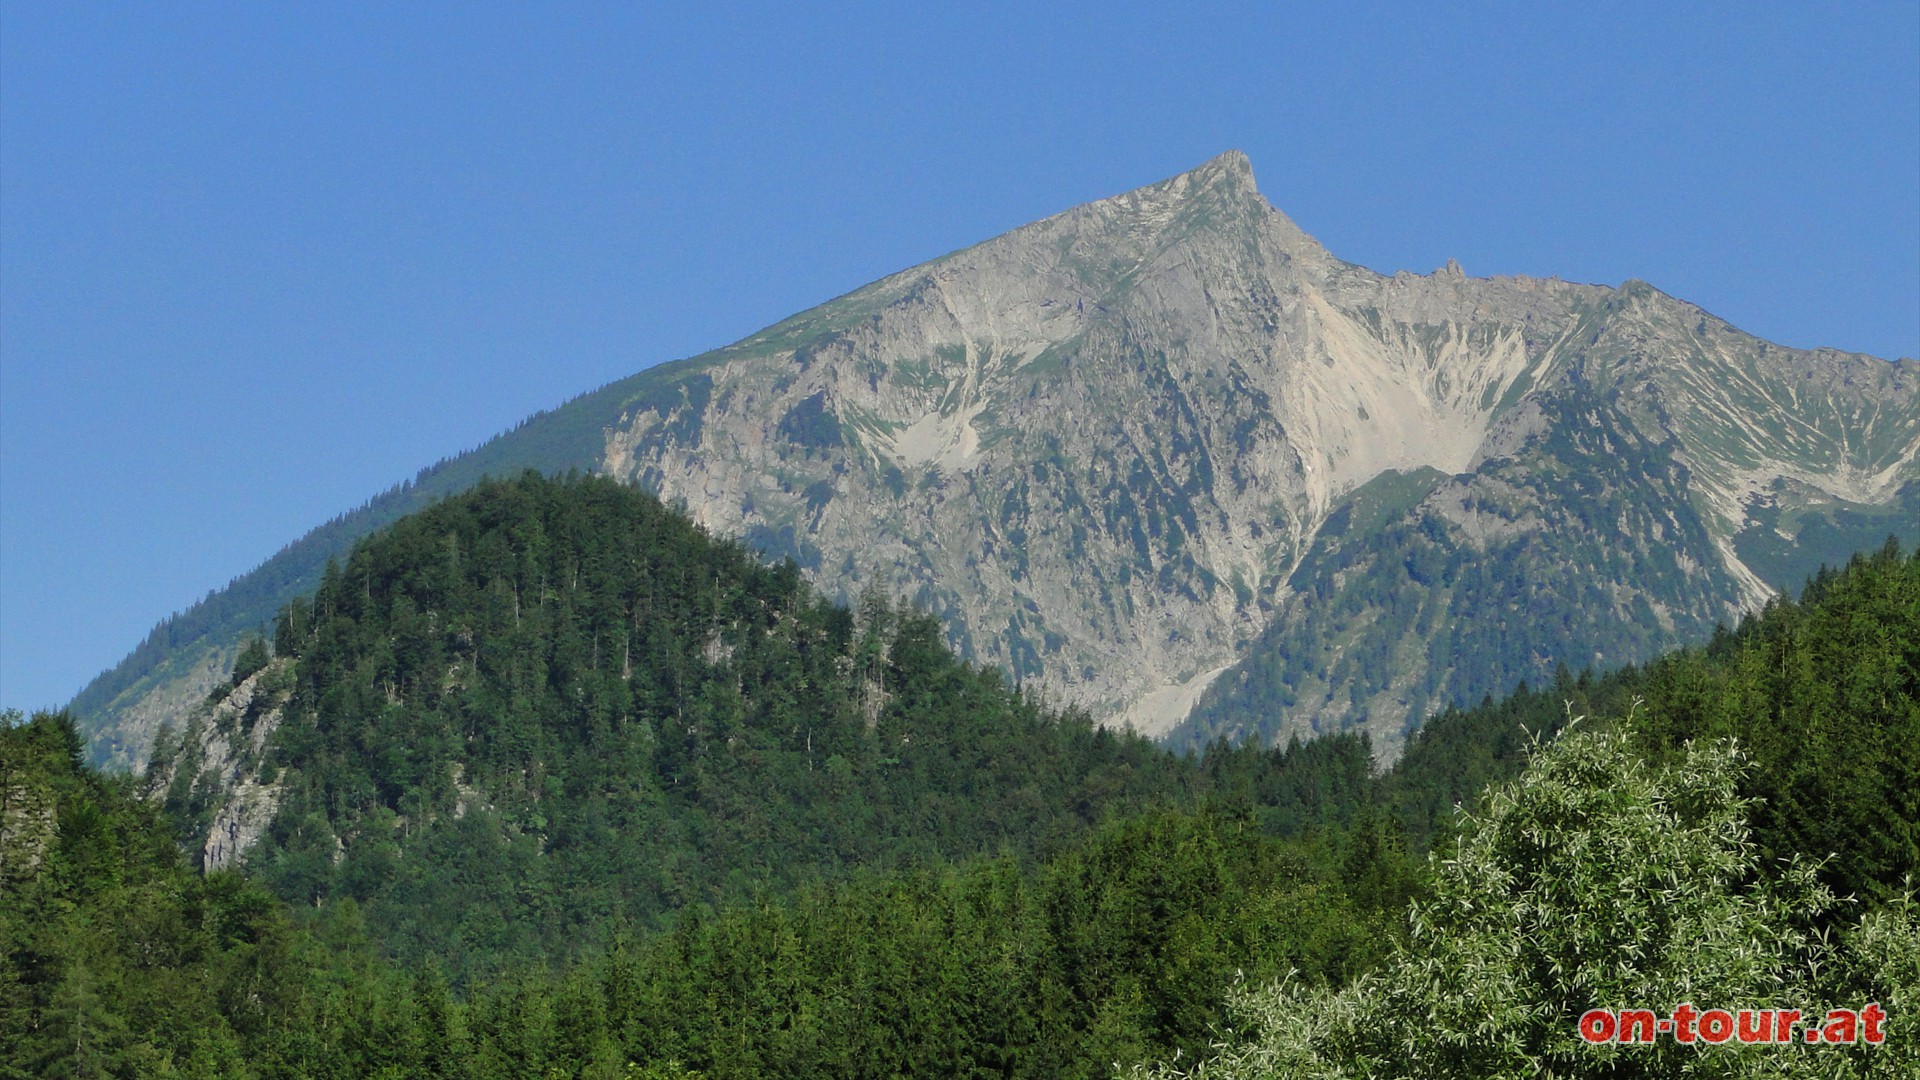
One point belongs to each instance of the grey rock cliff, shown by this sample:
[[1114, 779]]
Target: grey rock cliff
[[215, 767], [1103, 448]]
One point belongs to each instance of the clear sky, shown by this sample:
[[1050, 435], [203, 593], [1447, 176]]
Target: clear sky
[[260, 261]]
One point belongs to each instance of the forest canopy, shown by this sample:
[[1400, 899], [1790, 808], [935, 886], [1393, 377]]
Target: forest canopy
[[556, 784]]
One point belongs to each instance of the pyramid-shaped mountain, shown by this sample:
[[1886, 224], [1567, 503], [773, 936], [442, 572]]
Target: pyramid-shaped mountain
[[1169, 458]]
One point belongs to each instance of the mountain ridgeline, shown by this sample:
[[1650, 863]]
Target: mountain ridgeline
[[1167, 457]]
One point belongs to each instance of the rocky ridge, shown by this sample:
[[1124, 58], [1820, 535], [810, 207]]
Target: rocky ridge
[[1104, 449], [214, 766]]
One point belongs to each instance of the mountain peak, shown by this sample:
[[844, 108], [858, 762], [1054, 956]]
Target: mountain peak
[[1225, 177], [1103, 447], [1227, 181], [1220, 191], [1231, 168]]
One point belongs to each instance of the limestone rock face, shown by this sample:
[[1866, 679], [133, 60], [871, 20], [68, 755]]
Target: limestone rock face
[[29, 827], [216, 766], [1100, 446], [1096, 445], [1148, 454]]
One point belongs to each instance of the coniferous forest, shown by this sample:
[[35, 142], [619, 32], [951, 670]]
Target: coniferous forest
[[544, 781]]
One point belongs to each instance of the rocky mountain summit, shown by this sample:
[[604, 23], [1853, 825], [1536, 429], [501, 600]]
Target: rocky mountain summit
[[1167, 457]]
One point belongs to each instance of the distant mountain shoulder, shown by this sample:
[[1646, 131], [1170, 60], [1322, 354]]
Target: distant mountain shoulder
[[1104, 451]]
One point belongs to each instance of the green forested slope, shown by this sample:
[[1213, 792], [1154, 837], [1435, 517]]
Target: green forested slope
[[1821, 694], [545, 709], [116, 714], [566, 785], [1117, 949], [115, 958], [1733, 826], [1600, 880]]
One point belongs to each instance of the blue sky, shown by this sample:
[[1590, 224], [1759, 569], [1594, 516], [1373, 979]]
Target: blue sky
[[258, 262]]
